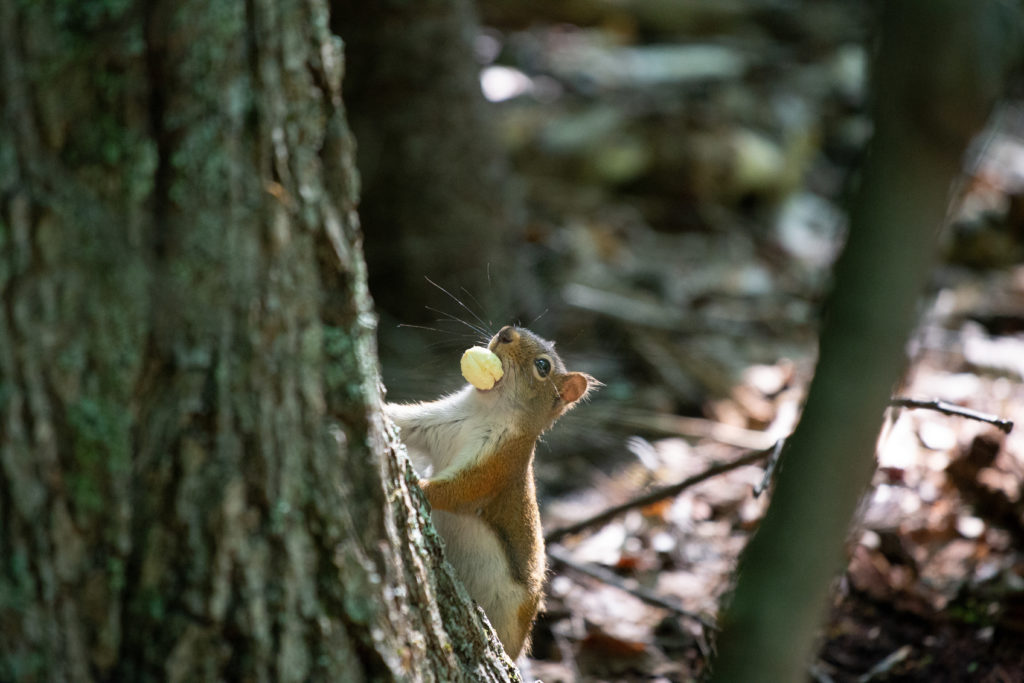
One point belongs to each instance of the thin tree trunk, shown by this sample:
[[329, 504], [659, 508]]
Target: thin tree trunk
[[195, 480], [940, 68]]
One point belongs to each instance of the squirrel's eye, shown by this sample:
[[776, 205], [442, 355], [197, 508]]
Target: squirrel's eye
[[543, 366]]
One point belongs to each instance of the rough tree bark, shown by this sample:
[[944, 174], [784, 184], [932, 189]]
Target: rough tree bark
[[940, 67], [195, 481]]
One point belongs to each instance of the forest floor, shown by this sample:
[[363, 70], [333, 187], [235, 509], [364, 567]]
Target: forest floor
[[934, 586]]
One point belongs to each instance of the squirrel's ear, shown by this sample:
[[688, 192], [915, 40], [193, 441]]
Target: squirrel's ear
[[575, 386]]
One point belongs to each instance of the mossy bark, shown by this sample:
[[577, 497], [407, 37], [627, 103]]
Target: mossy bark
[[195, 480]]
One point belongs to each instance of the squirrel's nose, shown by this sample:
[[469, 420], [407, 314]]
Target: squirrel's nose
[[507, 335]]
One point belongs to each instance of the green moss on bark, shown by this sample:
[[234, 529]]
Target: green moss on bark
[[101, 437]]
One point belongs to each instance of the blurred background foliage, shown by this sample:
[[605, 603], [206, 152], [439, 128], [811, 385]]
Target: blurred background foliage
[[671, 178], [661, 187]]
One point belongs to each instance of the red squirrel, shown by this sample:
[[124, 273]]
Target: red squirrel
[[476, 449]]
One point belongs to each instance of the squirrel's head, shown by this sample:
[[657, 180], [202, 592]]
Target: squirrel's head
[[535, 379]]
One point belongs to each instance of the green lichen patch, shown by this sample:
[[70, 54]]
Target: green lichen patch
[[343, 372], [100, 434]]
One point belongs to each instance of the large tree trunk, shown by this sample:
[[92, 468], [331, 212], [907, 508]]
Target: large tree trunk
[[195, 480]]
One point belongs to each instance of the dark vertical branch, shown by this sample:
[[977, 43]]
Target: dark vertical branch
[[436, 198]]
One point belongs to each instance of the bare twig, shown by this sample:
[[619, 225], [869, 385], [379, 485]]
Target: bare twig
[[559, 555], [656, 495], [694, 425], [952, 409], [769, 470], [884, 667]]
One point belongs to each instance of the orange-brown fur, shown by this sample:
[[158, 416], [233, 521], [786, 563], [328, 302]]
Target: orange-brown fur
[[485, 478]]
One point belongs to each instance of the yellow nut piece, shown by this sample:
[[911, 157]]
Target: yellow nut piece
[[481, 368]]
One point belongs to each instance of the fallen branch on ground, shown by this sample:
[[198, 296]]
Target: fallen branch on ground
[[657, 495], [560, 556], [751, 458], [952, 409]]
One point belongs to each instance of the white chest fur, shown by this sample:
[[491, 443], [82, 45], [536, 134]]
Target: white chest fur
[[453, 432]]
